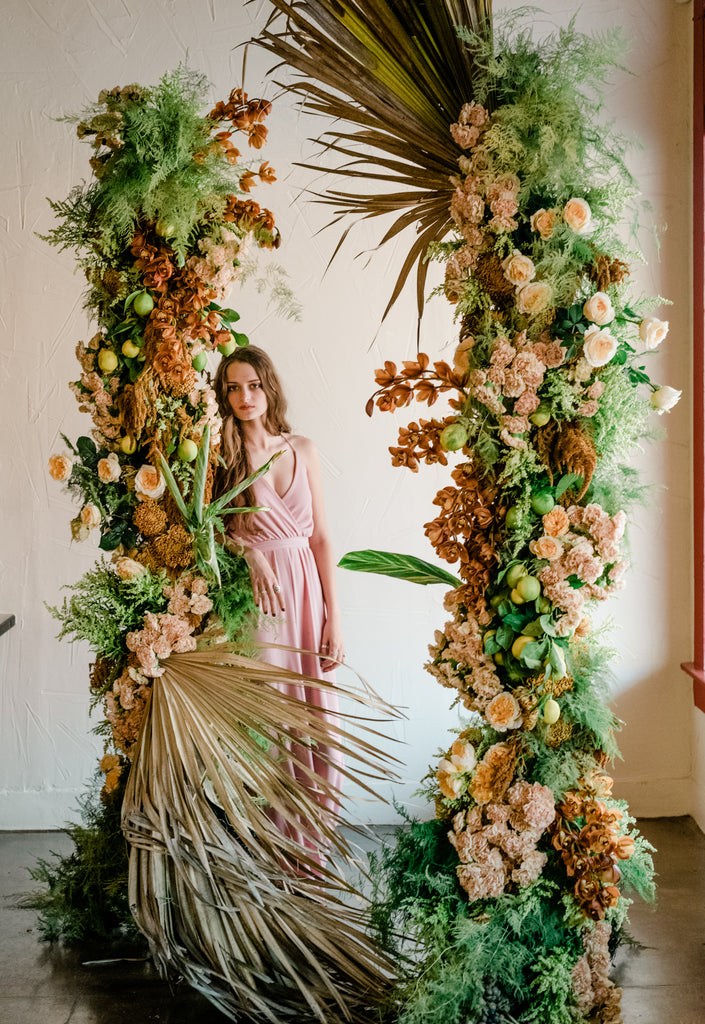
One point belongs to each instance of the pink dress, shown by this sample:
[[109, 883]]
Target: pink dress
[[282, 535]]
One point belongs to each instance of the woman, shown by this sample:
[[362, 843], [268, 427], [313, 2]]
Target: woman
[[287, 548]]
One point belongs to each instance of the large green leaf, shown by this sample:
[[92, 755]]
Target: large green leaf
[[401, 567]]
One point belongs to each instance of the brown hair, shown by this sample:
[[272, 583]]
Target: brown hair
[[275, 420]]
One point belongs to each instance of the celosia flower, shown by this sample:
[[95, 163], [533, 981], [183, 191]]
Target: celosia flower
[[60, 467], [598, 309], [599, 346], [577, 215], [149, 482], [652, 332], [504, 712], [109, 469], [533, 298]]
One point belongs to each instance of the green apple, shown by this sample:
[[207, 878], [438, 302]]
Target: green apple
[[541, 416], [515, 574], [199, 362], [453, 437], [542, 502], [143, 304], [529, 588], [187, 450], [107, 360], [227, 348], [130, 350], [551, 711]]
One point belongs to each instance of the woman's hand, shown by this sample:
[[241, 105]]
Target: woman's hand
[[265, 586], [332, 646]]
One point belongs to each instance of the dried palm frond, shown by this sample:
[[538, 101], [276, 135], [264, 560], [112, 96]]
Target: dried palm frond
[[247, 915], [398, 70]]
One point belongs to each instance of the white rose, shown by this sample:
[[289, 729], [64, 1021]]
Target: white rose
[[599, 346], [664, 398], [577, 215], [90, 515], [598, 309], [109, 469], [652, 332], [149, 482]]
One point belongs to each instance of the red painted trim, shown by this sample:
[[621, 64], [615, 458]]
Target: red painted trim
[[697, 668]]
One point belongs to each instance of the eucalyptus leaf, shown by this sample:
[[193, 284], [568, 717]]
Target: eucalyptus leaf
[[566, 481]]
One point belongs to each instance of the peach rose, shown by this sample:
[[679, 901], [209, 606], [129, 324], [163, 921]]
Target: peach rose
[[599, 346], [556, 522], [534, 298], [60, 467], [149, 482], [518, 269], [664, 398], [547, 547], [652, 332], [543, 221], [503, 712], [90, 515], [598, 309], [577, 215], [109, 469], [128, 568]]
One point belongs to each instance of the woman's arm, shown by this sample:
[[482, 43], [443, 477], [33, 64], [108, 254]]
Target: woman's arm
[[322, 549], [265, 586]]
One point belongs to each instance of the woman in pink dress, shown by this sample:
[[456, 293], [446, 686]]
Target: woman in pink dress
[[288, 548]]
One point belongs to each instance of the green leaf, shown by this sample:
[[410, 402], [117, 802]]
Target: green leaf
[[504, 637], [229, 315], [240, 339], [516, 620], [401, 567], [87, 450], [534, 628], [532, 654], [219, 505], [548, 625], [113, 537], [199, 475], [575, 582], [174, 488], [566, 481]]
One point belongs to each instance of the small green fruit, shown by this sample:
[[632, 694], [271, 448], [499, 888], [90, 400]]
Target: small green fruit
[[107, 360], [165, 228], [512, 517], [227, 348], [130, 350], [515, 574], [542, 502], [551, 711], [128, 445], [519, 645], [143, 304], [187, 450], [496, 600], [541, 416], [199, 362], [529, 588], [453, 437], [498, 658], [516, 597], [545, 605]]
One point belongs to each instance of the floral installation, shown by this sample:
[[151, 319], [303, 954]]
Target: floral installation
[[514, 891], [160, 234]]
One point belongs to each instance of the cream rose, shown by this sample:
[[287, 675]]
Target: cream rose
[[109, 469], [90, 515], [543, 221], [60, 467], [128, 568], [149, 483], [652, 332], [534, 298], [504, 712], [577, 215], [518, 269], [556, 522], [547, 547], [599, 346], [598, 309], [664, 398]]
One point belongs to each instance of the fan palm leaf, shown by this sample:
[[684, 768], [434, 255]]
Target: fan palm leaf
[[246, 914], [398, 70]]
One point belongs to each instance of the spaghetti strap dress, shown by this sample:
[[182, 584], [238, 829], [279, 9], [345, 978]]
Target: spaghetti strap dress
[[282, 535]]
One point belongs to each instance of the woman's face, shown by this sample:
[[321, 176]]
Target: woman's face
[[246, 395]]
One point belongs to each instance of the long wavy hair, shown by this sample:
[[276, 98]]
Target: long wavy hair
[[275, 421]]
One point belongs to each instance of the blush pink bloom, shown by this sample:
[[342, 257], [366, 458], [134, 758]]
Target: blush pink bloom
[[533, 298], [599, 346], [577, 215], [543, 222], [598, 309]]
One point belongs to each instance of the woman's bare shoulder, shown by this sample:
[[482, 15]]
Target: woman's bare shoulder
[[303, 446]]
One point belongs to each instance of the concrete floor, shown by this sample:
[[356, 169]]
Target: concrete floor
[[40, 984]]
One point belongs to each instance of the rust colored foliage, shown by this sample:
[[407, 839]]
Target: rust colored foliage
[[421, 441], [565, 448], [415, 380], [246, 116]]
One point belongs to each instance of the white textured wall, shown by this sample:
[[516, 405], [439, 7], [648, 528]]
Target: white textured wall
[[57, 55]]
